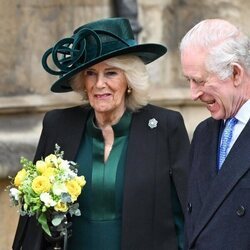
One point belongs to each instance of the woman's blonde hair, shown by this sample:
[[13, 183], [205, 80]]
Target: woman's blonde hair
[[136, 75]]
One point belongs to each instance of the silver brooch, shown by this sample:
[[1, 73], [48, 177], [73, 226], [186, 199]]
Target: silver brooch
[[152, 123]]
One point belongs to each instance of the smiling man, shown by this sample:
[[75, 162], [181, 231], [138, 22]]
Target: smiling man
[[215, 60]]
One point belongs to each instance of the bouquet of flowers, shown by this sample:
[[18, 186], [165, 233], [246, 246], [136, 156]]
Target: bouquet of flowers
[[48, 190]]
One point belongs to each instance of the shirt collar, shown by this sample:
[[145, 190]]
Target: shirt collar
[[120, 129], [243, 114]]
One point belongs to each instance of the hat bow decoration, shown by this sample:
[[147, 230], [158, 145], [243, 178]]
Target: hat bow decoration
[[69, 53]]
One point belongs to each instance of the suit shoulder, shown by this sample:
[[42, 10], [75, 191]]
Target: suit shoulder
[[205, 123], [166, 118], [67, 113], [163, 111]]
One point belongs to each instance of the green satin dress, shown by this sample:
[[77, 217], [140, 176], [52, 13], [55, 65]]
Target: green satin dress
[[99, 226]]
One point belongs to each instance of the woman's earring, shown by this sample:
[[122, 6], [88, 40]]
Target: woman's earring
[[129, 90]]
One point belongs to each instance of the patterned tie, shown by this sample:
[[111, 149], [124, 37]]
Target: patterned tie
[[226, 139]]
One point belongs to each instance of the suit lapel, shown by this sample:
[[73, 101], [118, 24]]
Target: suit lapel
[[142, 147], [208, 161], [232, 171], [139, 179]]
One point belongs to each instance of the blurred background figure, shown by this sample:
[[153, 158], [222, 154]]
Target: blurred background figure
[[129, 9]]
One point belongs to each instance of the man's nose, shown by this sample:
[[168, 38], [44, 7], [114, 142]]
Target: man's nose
[[196, 91]]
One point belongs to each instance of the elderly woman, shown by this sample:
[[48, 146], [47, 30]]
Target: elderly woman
[[132, 154]]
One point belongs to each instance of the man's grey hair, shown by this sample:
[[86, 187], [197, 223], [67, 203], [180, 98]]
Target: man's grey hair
[[225, 45]]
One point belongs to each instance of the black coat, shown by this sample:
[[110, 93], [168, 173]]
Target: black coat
[[218, 214], [154, 157]]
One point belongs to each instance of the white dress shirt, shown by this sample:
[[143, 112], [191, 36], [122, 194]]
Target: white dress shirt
[[243, 117]]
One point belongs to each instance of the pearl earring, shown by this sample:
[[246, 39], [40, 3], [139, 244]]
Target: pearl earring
[[129, 90]]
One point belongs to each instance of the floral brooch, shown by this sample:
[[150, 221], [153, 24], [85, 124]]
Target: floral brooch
[[152, 123]]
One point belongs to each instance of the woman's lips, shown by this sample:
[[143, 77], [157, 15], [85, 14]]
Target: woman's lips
[[102, 96]]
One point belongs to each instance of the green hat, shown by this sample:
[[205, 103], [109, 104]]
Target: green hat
[[92, 43]]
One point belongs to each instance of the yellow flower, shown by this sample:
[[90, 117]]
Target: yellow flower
[[74, 189], [49, 172], [41, 166], [80, 180], [51, 161], [61, 206], [41, 184], [20, 177]]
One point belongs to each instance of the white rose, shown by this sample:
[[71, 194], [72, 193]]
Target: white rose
[[59, 188], [64, 165], [14, 192], [47, 200], [67, 172]]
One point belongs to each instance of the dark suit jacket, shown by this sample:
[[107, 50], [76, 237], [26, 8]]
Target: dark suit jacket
[[154, 157], [218, 214]]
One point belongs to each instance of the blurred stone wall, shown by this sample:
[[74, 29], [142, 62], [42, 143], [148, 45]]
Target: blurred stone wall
[[29, 27]]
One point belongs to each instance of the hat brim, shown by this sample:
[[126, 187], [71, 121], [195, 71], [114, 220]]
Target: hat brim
[[147, 52]]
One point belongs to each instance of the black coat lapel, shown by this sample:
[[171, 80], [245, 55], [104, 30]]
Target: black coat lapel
[[232, 171], [208, 161], [70, 133], [139, 181]]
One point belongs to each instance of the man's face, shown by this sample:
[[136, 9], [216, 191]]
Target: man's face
[[219, 96]]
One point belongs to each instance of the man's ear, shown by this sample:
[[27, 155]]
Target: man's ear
[[237, 75]]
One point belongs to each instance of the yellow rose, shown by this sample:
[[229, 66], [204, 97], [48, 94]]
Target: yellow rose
[[41, 184], [80, 180], [74, 189], [20, 177], [51, 161], [49, 172], [61, 206], [41, 166]]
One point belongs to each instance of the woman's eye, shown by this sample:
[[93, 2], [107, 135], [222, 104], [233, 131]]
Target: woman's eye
[[90, 73], [111, 73]]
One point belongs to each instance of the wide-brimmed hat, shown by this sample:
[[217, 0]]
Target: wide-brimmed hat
[[92, 43]]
